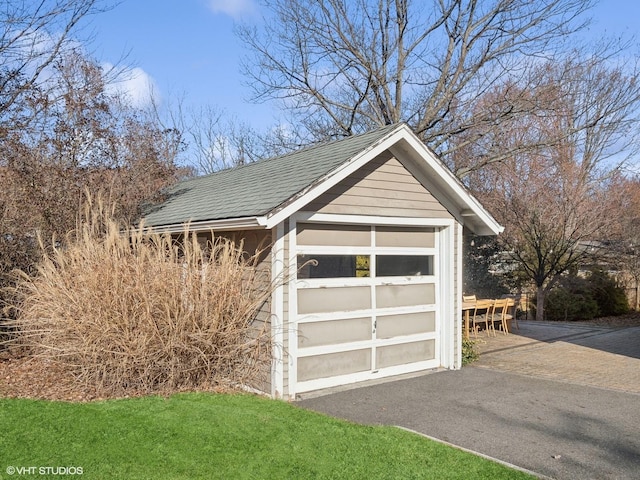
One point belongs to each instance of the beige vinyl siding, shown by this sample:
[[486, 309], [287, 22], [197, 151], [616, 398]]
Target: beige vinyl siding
[[258, 243], [382, 187]]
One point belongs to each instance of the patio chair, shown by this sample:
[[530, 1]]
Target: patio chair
[[515, 303], [482, 315], [500, 314]]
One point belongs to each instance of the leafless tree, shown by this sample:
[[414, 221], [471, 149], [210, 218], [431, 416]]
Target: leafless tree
[[83, 138], [216, 140], [625, 248], [596, 99], [345, 66], [555, 214], [33, 35], [558, 201], [219, 141]]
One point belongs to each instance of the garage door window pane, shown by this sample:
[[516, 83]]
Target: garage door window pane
[[403, 265], [333, 266]]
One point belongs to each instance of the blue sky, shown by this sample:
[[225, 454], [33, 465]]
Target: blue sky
[[182, 48], [187, 49]]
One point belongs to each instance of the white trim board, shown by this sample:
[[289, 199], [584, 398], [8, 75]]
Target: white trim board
[[277, 312]]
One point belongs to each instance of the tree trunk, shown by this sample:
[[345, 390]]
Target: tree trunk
[[540, 294]]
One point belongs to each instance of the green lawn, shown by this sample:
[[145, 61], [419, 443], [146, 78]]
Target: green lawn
[[190, 436]]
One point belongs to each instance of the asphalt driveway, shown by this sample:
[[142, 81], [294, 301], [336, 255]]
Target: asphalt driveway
[[559, 428]]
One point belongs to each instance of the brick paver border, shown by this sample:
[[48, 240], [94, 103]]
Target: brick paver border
[[596, 356]]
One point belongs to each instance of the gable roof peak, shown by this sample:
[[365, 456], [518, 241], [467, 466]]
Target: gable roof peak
[[264, 193]]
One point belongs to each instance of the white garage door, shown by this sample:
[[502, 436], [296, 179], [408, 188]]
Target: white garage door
[[365, 303]]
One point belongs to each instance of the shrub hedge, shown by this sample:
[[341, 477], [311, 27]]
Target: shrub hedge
[[584, 298]]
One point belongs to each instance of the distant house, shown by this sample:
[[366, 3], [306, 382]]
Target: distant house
[[382, 219]]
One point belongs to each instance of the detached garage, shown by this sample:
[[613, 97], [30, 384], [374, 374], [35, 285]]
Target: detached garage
[[368, 233]]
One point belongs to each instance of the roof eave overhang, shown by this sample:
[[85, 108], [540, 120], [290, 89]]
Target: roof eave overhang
[[480, 224], [226, 224], [457, 199]]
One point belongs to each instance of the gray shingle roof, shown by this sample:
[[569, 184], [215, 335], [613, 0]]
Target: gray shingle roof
[[256, 189]]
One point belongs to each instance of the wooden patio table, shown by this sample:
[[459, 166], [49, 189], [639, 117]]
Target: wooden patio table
[[467, 308]]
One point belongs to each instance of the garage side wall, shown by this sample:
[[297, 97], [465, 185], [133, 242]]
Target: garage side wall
[[255, 243]]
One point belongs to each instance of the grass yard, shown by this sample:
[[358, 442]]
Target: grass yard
[[189, 436]]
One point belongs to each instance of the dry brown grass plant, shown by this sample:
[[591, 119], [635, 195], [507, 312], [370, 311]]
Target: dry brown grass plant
[[128, 311]]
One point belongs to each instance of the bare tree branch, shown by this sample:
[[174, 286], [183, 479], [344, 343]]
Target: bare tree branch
[[556, 192], [32, 36], [345, 66]]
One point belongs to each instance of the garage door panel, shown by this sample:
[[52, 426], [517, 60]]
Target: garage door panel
[[332, 332], [334, 364], [331, 235], [405, 237], [335, 299], [405, 353], [389, 326], [389, 296]]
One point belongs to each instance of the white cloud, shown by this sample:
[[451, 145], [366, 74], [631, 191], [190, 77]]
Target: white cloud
[[132, 82], [233, 8], [135, 84]]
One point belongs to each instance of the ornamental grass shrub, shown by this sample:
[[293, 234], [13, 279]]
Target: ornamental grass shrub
[[125, 310]]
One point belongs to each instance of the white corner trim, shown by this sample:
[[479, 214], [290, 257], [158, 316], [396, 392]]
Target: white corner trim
[[292, 326], [447, 305], [458, 296], [277, 312]]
